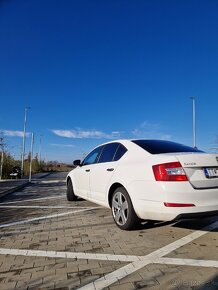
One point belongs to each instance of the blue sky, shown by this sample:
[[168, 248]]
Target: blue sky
[[94, 71]]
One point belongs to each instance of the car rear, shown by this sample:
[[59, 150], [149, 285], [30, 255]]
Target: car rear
[[190, 185], [185, 185]]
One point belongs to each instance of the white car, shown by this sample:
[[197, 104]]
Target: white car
[[147, 180]]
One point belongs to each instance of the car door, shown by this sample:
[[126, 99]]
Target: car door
[[102, 172], [82, 173]]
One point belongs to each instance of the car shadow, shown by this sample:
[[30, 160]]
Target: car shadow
[[191, 224], [196, 224], [150, 224]]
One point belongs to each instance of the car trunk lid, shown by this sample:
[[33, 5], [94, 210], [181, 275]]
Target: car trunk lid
[[200, 168]]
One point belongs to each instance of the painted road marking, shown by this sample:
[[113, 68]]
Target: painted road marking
[[189, 262], [49, 181], [70, 255], [34, 199], [41, 206], [45, 217], [154, 257]]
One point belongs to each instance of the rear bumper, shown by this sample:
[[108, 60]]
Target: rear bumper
[[160, 212], [148, 199]]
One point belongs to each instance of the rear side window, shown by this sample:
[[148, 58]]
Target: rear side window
[[161, 146], [120, 152], [108, 152]]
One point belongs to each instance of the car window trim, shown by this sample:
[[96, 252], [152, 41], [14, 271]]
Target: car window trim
[[101, 151], [97, 155], [116, 152], [120, 145], [113, 155]]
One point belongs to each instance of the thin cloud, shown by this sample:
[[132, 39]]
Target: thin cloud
[[146, 125], [85, 134], [150, 135], [150, 130], [13, 133], [63, 145]]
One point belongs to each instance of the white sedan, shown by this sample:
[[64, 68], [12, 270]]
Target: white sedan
[[147, 180]]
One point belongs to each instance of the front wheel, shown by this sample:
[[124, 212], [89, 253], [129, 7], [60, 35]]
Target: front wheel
[[122, 210], [70, 192]]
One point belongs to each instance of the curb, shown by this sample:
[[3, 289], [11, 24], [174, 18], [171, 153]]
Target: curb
[[46, 174]]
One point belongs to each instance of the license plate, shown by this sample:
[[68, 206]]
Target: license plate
[[211, 172]]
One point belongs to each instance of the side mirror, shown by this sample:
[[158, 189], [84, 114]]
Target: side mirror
[[77, 162]]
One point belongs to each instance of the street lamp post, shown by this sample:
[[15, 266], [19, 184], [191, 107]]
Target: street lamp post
[[2, 161], [24, 140], [31, 157], [40, 147], [194, 121]]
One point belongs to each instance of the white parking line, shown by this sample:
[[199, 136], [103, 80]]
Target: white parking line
[[189, 262], [70, 255], [41, 206], [34, 199], [154, 257], [45, 217], [48, 181]]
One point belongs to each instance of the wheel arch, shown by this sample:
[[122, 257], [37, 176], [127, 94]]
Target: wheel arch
[[68, 178], [111, 191]]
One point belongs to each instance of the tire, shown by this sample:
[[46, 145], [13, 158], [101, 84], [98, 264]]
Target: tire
[[70, 192], [122, 210]]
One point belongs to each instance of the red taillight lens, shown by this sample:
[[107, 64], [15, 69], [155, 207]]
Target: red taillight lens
[[169, 172], [170, 204]]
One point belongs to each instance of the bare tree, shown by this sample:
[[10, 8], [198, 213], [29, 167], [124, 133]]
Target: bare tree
[[1, 140]]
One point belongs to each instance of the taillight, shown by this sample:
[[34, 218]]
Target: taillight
[[170, 204], [172, 171]]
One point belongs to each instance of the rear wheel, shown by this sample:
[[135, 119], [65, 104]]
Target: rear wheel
[[70, 192], [122, 210]]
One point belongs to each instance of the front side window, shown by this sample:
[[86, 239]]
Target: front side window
[[108, 152], [92, 157]]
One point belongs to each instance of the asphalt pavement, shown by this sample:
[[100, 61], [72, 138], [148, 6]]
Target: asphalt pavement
[[10, 185]]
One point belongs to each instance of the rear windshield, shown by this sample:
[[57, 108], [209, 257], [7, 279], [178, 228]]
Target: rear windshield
[[160, 146]]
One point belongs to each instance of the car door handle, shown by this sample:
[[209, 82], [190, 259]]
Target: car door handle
[[87, 170], [110, 169]]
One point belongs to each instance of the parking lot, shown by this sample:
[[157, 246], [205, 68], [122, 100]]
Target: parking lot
[[47, 242]]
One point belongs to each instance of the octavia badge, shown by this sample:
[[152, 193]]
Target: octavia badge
[[217, 158]]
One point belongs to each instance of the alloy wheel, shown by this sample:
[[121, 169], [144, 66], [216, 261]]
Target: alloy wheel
[[120, 208]]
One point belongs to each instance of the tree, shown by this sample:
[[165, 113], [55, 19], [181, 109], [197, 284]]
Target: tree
[[36, 164], [7, 162], [2, 142]]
